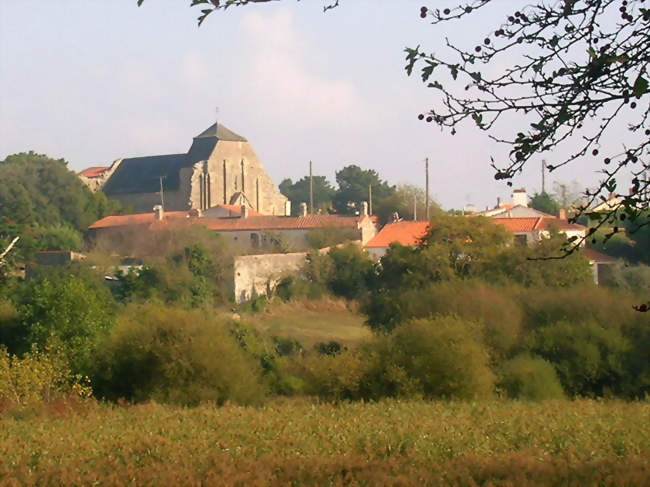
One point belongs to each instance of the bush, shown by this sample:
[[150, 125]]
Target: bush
[[529, 377], [69, 308], [588, 357], [438, 358], [176, 356], [351, 266], [37, 378]]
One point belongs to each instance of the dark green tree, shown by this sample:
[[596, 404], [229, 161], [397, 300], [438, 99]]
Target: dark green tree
[[38, 194], [545, 202], [298, 192], [354, 184]]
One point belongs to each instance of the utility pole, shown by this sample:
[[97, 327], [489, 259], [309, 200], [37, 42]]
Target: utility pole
[[162, 198], [370, 199], [543, 176], [311, 191], [415, 207], [426, 196]]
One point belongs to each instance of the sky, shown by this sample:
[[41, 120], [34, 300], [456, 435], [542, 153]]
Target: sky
[[92, 81]]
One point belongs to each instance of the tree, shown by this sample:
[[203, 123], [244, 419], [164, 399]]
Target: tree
[[298, 192], [405, 199], [354, 184], [40, 198], [545, 202]]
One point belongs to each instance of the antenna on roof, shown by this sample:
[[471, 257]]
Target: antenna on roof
[[216, 117]]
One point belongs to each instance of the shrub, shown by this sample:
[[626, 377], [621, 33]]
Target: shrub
[[439, 357], [529, 377], [37, 378], [588, 357], [176, 356], [69, 307], [351, 266]]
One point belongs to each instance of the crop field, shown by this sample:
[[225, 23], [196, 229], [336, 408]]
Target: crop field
[[303, 443]]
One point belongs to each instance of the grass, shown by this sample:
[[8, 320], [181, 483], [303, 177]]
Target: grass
[[300, 443], [311, 322]]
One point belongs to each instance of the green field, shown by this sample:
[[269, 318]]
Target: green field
[[311, 322], [301, 443]]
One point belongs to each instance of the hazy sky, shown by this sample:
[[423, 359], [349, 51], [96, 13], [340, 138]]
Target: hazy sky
[[95, 80]]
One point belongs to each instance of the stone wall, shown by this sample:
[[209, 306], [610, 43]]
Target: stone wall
[[257, 275]]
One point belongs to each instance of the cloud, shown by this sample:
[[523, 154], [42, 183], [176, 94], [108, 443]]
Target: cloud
[[278, 77]]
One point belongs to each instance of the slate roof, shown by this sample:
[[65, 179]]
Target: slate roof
[[141, 174], [404, 233], [221, 132]]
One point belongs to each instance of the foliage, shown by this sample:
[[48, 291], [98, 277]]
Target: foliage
[[405, 200], [545, 202], [350, 267], [59, 237], [354, 184], [589, 357], [175, 356], [37, 378], [585, 66], [37, 193], [68, 308], [441, 357], [321, 238], [530, 377], [298, 192], [193, 268]]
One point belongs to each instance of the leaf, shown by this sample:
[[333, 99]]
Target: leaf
[[411, 57], [640, 86], [427, 70], [454, 70], [592, 53]]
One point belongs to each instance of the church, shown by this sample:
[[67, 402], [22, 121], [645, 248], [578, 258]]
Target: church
[[220, 168]]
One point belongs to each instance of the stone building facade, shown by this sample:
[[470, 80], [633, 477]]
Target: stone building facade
[[220, 168]]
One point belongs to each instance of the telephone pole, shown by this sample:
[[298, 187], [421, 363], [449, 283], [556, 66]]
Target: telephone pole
[[311, 191], [543, 176], [426, 193], [162, 198], [370, 199]]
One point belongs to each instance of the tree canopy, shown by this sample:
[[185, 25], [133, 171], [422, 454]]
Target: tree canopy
[[45, 203], [298, 192]]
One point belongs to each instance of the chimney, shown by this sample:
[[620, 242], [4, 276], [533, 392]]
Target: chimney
[[364, 208], [561, 214], [158, 212], [244, 211], [519, 197], [303, 209], [499, 202]]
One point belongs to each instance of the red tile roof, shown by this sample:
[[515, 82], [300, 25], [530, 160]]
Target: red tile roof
[[137, 219], [253, 222], [521, 225], [236, 210], [404, 233], [280, 222], [94, 172]]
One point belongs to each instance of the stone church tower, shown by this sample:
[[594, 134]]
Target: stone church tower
[[220, 168]]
